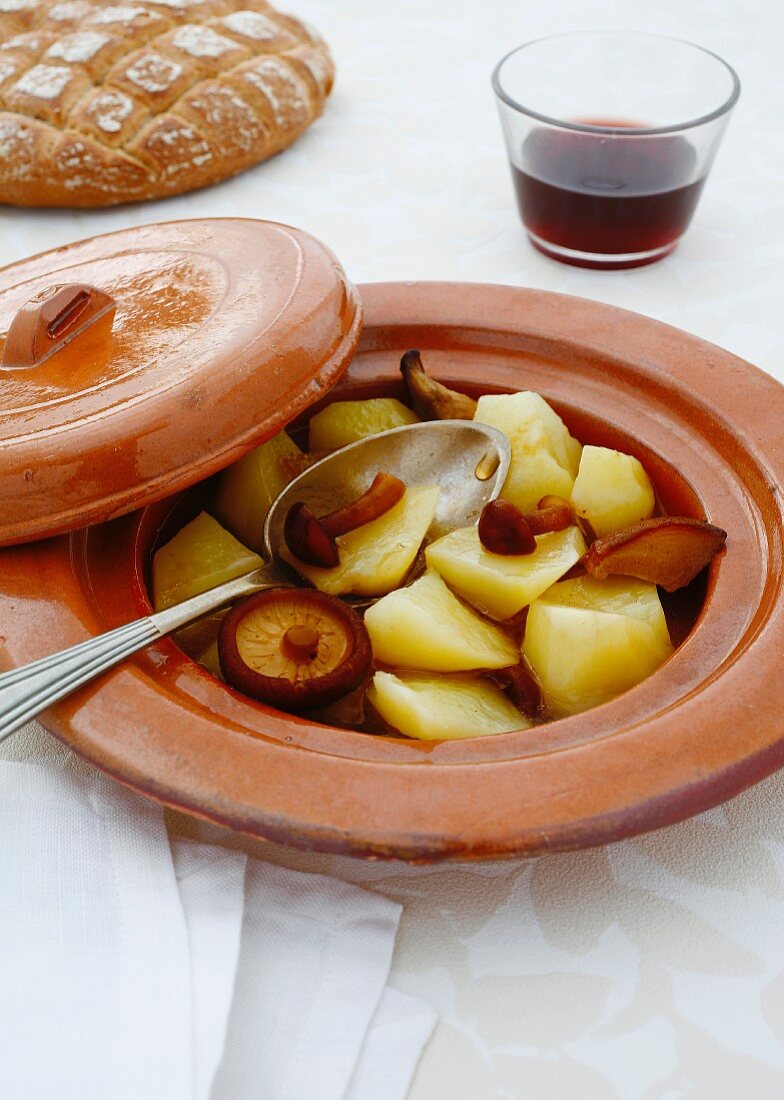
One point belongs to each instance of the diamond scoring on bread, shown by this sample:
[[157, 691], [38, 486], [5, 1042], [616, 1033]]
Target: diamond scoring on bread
[[104, 103]]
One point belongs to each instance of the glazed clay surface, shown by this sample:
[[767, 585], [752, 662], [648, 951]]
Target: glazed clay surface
[[224, 329]]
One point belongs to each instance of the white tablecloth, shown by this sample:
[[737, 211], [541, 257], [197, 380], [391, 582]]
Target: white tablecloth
[[650, 968]]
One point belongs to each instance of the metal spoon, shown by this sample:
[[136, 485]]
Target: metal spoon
[[469, 461]]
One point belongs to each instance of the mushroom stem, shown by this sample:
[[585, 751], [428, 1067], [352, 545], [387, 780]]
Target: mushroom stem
[[312, 539], [385, 491], [300, 643], [432, 400]]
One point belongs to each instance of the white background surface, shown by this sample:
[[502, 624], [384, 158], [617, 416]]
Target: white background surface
[[648, 969]]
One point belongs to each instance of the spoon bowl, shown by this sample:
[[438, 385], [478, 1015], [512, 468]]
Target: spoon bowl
[[467, 460]]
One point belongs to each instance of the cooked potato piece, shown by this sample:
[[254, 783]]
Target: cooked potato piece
[[345, 422], [545, 457], [588, 640], [502, 584], [443, 708], [246, 490], [425, 626], [375, 558], [612, 490], [200, 556]]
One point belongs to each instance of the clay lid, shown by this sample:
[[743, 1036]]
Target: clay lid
[[137, 363]]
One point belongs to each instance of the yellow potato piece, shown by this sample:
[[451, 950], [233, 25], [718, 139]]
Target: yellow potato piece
[[246, 490], [345, 422], [375, 558], [500, 585], [200, 556], [443, 708], [612, 490], [426, 627], [616, 595], [588, 640], [545, 457]]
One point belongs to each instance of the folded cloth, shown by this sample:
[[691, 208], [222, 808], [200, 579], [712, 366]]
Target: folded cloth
[[212, 891], [314, 961], [398, 1034], [94, 961], [131, 968]]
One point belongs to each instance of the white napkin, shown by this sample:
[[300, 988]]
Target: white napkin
[[129, 969], [212, 891]]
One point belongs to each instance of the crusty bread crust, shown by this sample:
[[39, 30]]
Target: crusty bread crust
[[110, 102]]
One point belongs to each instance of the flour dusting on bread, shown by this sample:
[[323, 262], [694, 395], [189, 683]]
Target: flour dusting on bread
[[78, 48], [43, 81]]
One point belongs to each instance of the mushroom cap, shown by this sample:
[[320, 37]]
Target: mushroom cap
[[294, 648]]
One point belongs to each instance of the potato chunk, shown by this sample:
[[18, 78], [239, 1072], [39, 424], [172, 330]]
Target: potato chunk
[[246, 490], [589, 640], [545, 457], [426, 627], [345, 422], [612, 490], [375, 558], [502, 584], [201, 556], [443, 708]]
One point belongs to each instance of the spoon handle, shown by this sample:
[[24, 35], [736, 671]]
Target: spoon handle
[[26, 691]]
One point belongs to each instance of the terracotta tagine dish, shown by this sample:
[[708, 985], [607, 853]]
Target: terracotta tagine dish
[[270, 335]]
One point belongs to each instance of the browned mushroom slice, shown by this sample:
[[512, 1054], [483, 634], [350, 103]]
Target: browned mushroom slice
[[667, 550], [294, 648], [430, 399]]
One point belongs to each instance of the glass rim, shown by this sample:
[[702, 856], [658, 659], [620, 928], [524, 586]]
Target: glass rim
[[585, 127]]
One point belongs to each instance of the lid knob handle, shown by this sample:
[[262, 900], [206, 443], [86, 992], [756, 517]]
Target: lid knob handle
[[52, 319]]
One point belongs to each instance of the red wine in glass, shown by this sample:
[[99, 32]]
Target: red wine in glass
[[606, 200]]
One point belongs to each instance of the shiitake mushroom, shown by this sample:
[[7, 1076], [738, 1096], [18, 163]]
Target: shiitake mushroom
[[667, 550], [294, 648]]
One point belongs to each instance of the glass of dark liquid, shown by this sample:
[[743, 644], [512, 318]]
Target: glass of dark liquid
[[610, 136]]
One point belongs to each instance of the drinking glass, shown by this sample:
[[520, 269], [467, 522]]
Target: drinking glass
[[610, 137]]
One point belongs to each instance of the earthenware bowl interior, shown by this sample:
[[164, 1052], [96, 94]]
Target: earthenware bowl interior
[[674, 494]]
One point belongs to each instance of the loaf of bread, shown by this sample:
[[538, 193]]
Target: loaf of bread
[[103, 103]]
